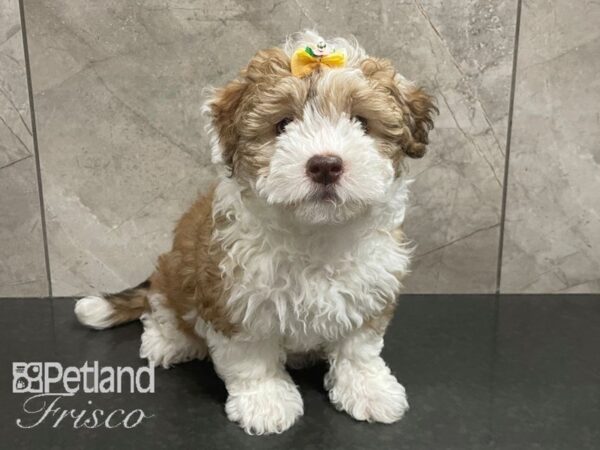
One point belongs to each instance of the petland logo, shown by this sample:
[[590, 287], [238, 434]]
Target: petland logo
[[50, 383]]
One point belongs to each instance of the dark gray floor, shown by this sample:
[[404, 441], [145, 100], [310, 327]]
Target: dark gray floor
[[481, 372]]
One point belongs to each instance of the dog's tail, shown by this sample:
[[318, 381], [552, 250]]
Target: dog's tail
[[108, 310]]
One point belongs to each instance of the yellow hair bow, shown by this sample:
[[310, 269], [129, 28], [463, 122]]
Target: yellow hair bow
[[305, 60]]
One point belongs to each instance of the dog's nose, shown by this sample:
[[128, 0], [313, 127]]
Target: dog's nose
[[324, 169]]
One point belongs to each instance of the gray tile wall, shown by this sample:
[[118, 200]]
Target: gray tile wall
[[117, 88], [22, 266], [553, 211]]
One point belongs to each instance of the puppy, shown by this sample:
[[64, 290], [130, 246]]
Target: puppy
[[296, 252]]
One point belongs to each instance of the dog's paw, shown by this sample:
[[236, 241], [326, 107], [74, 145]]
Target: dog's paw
[[367, 394], [264, 407]]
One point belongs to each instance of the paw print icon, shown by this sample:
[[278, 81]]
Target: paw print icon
[[27, 377]]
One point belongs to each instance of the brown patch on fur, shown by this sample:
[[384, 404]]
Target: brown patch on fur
[[246, 111], [416, 106], [129, 304], [268, 62], [189, 275], [223, 107]]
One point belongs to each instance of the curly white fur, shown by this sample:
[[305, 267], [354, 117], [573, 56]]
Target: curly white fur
[[367, 174], [359, 381], [94, 311], [262, 396], [163, 343], [307, 283]]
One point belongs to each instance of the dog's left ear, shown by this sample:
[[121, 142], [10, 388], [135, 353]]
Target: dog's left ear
[[417, 105], [422, 107]]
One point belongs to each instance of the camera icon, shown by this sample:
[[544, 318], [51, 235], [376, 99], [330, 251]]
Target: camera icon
[[27, 377]]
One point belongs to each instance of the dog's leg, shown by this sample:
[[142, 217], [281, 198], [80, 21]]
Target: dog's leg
[[360, 382], [262, 398], [164, 341]]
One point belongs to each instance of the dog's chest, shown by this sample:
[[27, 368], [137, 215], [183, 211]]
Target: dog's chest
[[313, 293]]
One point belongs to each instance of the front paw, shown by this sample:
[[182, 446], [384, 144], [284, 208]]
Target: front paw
[[265, 406], [371, 394]]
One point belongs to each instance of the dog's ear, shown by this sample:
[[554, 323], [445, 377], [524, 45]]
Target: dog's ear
[[418, 106], [222, 108], [422, 107], [226, 106]]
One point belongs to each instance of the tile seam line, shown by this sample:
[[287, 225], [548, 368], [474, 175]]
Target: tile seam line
[[35, 146], [511, 108]]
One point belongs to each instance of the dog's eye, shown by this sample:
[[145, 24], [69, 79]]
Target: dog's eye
[[362, 121], [280, 127]]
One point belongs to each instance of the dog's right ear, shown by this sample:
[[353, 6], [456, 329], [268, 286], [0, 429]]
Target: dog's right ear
[[221, 109], [225, 107]]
